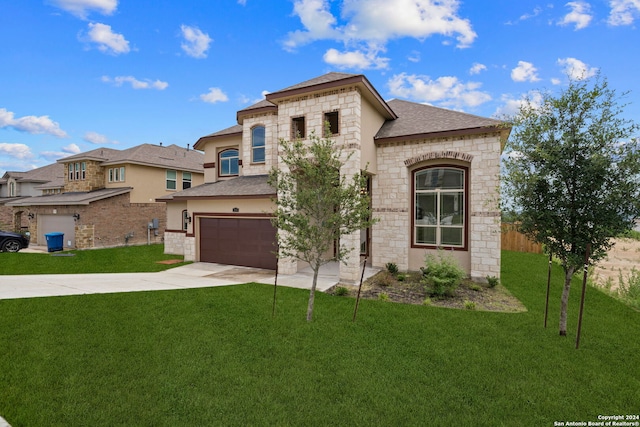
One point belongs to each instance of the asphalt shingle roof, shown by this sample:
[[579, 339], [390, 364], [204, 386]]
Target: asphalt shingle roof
[[418, 119], [72, 198], [251, 185]]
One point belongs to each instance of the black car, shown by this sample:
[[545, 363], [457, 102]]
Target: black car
[[12, 242]]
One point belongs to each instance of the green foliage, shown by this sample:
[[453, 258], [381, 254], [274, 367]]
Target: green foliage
[[383, 296], [392, 267], [629, 288], [572, 167], [475, 287], [630, 234], [401, 277], [384, 279], [492, 281], [427, 301], [469, 305], [341, 291], [316, 204], [442, 274], [571, 170]]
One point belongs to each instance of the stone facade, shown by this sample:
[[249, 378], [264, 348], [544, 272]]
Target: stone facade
[[94, 178], [392, 200]]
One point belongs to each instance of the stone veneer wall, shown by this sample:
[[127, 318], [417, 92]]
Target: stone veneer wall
[[347, 101], [94, 178], [391, 236], [179, 243]]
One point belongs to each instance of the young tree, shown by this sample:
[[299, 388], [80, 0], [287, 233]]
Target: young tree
[[572, 172], [316, 204]]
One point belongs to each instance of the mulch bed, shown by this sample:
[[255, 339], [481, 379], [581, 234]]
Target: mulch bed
[[411, 291]]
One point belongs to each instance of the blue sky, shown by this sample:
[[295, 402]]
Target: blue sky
[[76, 75]]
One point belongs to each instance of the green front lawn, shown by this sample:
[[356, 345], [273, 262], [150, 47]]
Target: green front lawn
[[216, 357], [124, 259]]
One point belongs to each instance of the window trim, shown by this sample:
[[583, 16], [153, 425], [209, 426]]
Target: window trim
[[294, 127], [174, 180], [467, 204], [324, 121], [186, 180], [220, 162], [263, 146]]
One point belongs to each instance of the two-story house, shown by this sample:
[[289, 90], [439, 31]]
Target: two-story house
[[106, 197], [433, 174]]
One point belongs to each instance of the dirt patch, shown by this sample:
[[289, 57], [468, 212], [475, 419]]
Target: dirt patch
[[410, 291], [623, 256]]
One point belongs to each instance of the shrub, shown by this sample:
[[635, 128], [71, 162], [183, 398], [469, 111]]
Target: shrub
[[384, 279], [442, 275], [629, 288], [383, 296], [392, 267], [401, 277], [427, 301], [341, 291], [469, 305], [475, 287], [492, 281]]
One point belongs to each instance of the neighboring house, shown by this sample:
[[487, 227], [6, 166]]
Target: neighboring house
[[106, 197], [433, 180]]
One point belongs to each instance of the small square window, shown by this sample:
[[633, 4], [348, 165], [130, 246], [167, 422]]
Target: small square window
[[330, 123], [298, 128]]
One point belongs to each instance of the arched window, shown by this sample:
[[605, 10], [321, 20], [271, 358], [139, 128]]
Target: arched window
[[228, 160], [257, 144], [439, 207]]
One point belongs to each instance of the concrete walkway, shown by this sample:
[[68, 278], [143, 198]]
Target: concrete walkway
[[196, 275]]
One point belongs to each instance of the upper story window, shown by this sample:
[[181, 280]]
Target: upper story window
[[330, 123], [440, 196], [298, 128], [116, 174], [229, 162], [186, 180], [257, 144], [12, 189], [77, 171], [171, 179]]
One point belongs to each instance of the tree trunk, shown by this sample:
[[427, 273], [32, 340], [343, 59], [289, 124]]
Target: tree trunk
[[564, 302], [312, 294]]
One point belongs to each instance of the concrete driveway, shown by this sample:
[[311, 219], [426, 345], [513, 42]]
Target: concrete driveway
[[196, 275]]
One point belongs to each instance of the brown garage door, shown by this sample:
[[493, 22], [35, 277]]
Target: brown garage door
[[238, 241]]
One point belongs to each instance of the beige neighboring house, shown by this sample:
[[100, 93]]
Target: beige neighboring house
[[106, 197], [433, 179]]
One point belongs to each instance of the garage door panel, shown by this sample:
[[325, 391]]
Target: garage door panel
[[238, 241]]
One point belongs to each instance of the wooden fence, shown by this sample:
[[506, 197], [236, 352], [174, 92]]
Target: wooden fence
[[513, 240]]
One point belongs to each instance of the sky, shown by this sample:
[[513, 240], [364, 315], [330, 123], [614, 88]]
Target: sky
[[76, 75]]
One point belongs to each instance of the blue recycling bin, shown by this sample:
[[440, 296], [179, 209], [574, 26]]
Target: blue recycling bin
[[55, 241]]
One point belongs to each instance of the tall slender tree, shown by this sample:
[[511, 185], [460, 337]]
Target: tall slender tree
[[316, 204], [571, 167]]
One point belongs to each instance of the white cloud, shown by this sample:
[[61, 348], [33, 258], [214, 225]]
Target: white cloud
[[623, 12], [81, 8], [31, 124], [414, 57], [97, 138], [71, 149], [242, 2], [580, 15], [196, 42], [358, 59], [477, 68], [106, 39], [576, 69], [375, 22], [555, 81], [135, 83], [525, 72], [17, 151], [214, 95], [512, 106], [446, 90]]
